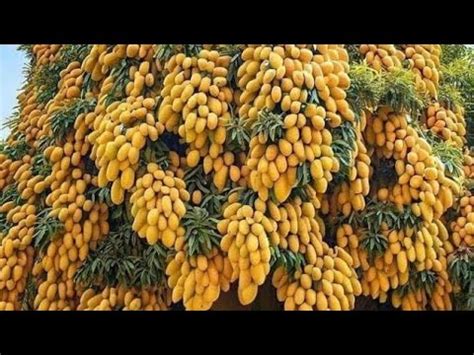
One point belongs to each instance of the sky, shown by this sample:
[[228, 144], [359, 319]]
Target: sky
[[11, 78]]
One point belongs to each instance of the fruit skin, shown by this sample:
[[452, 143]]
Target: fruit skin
[[117, 192], [248, 295], [282, 188], [112, 170], [321, 302], [220, 178], [193, 158], [402, 261], [127, 178]]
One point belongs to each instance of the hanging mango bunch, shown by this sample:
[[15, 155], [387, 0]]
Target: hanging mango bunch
[[32, 117], [7, 170], [121, 129], [84, 223], [450, 126], [424, 61], [198, 280], [468, 165], [385, 56], [158, 205], [391, 256], [281, 87], [325, 277], [462, 226], [18, 213], [196, 105], [245, 239], [45, 53], [199, 269], [117, 148], [350, 194], [122, 298], [415, 297], [420, 178]]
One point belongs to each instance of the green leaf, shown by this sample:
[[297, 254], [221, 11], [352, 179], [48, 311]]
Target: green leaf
[[62, 121], [270, 124]]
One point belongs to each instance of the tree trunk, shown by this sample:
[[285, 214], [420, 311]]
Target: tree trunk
[[266, 300]]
